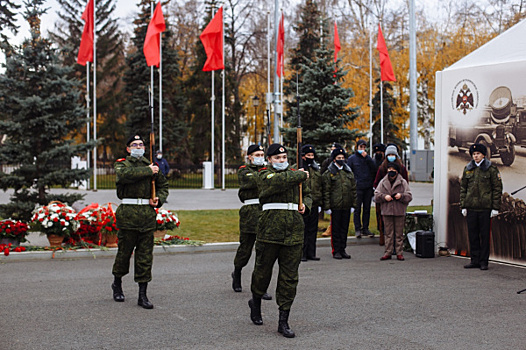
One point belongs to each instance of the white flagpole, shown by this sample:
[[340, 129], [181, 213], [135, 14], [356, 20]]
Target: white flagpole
[[223, 114], [381, 111], [95, 94], [88, 124], [160, 92], [371, 90], [213, 101], [151, 79], [269, 96]]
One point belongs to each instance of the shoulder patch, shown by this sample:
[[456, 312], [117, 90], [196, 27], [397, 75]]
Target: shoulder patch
[[243, 166], [292, 169], [262, 169], [121, 160], [269, 176]]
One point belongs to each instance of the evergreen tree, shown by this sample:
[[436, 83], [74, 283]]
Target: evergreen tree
[[324, 105], [308, 29], [137, 79], [40, 112], [7, 18], [390, 127], [110, 66]]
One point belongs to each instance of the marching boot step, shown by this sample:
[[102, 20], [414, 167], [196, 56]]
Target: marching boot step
[[283, 325], [118, 294], [143, 299], [255, 311], [236, 281]]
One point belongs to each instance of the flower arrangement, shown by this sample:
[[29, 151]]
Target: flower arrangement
[[55, 218], [166, 220], [108, 220], [6, 248], [90, 224], [13, 229]]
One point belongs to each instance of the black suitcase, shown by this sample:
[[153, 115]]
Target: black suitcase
[[425, 244]]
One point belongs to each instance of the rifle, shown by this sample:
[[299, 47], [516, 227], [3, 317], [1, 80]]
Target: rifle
[[152, 138], [299, 160]]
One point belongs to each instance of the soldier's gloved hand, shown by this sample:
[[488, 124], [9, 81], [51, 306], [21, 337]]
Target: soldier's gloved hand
[[464, 212], [319, 210], [302, 210], [305, 171], [352, 210], [494, 213], [154, 202], [328, 212], [155, 168]]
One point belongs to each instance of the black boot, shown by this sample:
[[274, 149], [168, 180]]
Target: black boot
[[255, 310], [283, 326], [266, 296], [143, 299], [236, 280], [118, 294]]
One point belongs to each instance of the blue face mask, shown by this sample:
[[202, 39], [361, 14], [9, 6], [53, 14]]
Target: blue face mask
[[360, 151], [137, 152], [259, 161], [280, 166], [391, 158]]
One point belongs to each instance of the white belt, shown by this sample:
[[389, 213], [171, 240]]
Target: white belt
[[282, 206], [136, 201], [251, 201]]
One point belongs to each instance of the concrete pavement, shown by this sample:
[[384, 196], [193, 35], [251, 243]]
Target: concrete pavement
[[362, 303]]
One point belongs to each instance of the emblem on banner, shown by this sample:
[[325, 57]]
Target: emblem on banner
[[465, 96]]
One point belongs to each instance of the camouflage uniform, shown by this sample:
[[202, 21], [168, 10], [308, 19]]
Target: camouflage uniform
[[480, 193], [136, 223], [280, 234], [248, 214]]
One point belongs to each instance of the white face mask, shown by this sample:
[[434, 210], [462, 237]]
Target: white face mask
[[280, 166], [137, 152], [258, 161], [159, 156]]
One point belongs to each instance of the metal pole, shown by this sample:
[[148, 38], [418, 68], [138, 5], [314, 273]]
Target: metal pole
[[268, 98], [370, 89], [381, 111], [95, 94], [88, 124], [213, 101], [161, 92], [413, 120], [277, 112], [151, 81], [223, 116]]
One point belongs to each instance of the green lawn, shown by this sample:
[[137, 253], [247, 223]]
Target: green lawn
[[223, 225]]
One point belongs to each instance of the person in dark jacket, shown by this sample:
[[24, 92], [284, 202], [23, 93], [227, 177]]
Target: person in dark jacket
[[339, 196], [391, 155], [249, 212], [324, 165], [136, 217], [379, 156], [480, 197], [280, 234], [162, 163], [310, 220], [364, 170]]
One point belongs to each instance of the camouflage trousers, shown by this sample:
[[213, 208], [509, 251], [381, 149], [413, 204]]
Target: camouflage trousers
[[142, 242], [289, 258], [244, 251]]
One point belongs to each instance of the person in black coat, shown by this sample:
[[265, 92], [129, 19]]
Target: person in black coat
[[364, 169]]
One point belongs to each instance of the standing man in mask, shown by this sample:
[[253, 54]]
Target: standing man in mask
[[136, 217], [280, 235], [249, 212], [364, 170], [164, 167], [339, 196]]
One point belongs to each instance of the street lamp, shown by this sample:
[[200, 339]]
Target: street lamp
[[255, 103]]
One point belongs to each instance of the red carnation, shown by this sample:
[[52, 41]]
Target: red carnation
[[6, 251]]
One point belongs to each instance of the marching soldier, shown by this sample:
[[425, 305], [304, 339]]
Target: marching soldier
[[249, 212], [280, 235], [136, 217]]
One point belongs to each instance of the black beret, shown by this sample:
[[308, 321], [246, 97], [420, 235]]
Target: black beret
[[275, 148], [379, 147], [134, 137], [361, 142], [308, 149], [478, 147], [254, 148], [337, 145], [393, 165], [336, 152]]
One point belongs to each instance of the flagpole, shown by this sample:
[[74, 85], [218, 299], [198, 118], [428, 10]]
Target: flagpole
[[151, 82], [381, 111], [370, 88], [213, 100], [88, 124], [276, 81], [95, 94], [223, 114], [269, 96], [161, 91]]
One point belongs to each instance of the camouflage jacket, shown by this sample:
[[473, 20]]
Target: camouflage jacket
[[339, 188], [133, 179], [248, 189], [481, 186], [314, 183], [278, 226]]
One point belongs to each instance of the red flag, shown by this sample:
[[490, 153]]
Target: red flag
[[385, 62], [86, 42], [280, 46], [212, 39], [152, 43], [337, 46]]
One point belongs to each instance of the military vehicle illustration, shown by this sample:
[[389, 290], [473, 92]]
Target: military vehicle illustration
[[497, 128]]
